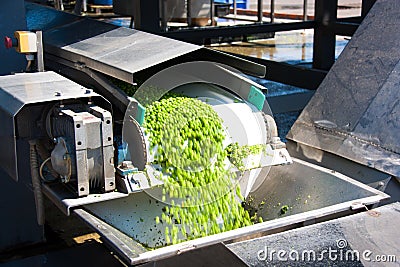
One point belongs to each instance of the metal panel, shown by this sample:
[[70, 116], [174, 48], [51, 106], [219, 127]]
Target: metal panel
[[115, 51], [355, 111], [19, 90], [107, 145], [112, 50], [118, 52]]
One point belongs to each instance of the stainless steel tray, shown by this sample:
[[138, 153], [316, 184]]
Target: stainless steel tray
[[312, 193]]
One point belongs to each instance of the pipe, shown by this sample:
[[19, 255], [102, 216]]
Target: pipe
[[272, 13], [260, 11], [189, 12], [305, 4], [36, 183]]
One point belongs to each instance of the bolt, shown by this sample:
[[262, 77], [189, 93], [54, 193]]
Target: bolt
[[124, 164], [88, 91]]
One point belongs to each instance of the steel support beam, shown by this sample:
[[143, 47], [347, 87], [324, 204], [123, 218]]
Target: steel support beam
[[324, 36], [345, 28], [198, 35], [302, 77], [189, 12], [272, 13], [147, 15], [366, 6], [305, 5], [357, 20]]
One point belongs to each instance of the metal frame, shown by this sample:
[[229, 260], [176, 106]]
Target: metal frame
[[325, 24], [66, 200]]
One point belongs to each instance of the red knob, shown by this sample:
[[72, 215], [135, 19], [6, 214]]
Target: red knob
[[8, 42]]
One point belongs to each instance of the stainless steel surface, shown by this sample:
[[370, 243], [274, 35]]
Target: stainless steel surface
[[66, 200], [337, 194], [20, 90], [353, 240], [39, 54], [108, 180], [118, 52], [304, 187], [355, 111], [125, 246], [115, 51], [214, 255], [106, 88], [367, 175]]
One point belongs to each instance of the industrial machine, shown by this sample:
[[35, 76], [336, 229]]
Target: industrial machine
[[83, 141]]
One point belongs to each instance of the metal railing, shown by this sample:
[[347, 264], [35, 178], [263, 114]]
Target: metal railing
[[260, 10]]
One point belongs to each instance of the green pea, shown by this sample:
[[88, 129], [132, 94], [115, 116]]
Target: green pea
[[189, 135]]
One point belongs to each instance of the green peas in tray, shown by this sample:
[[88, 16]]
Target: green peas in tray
[[188, 136]]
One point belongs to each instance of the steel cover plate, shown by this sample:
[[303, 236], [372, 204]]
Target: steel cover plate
[[22, 89], [355, 112], [116, 51]]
